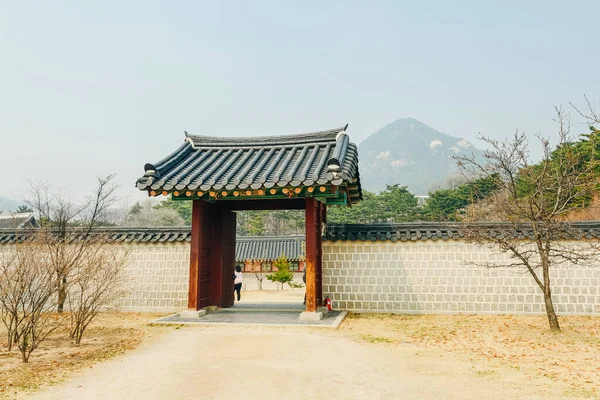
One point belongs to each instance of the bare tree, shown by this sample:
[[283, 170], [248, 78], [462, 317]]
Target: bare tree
[[11, 289], [452, 182], [590, 114], [147, 214], [259, 273], [28, 286], [59, 214], [96, 281], [532, 201]]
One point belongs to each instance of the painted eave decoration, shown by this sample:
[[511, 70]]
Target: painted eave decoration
[[318, 164]]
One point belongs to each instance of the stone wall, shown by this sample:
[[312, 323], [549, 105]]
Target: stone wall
[[421, 276], [402, 277], [157, 276], [436, 277]]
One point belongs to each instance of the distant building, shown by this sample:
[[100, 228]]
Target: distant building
[[259, 253], [18, 221]]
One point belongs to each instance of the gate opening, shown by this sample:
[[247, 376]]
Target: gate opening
[[220, 176]]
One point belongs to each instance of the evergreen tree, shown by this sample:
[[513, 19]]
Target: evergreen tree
[[23, 209], [283, 274]]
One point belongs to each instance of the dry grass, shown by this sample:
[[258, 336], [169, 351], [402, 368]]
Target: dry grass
[[58, 357], [570, 360]]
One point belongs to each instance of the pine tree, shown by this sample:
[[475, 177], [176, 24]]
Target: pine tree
[[283, 274]]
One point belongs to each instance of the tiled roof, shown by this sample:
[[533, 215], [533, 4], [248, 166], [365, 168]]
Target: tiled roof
[[113, 235], [246, 247], [291, 245], [205, 163], [268, 248], [446, 231], [17, 220]]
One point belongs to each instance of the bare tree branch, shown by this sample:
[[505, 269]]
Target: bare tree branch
[[533, 201]]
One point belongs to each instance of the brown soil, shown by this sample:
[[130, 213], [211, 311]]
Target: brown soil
[[222, 362], [369, 357], [58, 357], [590, 213], [274, 295], [495, 344]]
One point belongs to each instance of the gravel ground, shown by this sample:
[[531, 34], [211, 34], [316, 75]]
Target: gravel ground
[[291, 363]]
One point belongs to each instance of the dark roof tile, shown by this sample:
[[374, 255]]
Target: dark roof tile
[[268, 248], [18, 220], [206, 163], [246, 247], [446, 231]]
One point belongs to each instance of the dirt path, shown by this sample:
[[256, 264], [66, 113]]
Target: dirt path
[[244, 363], [295, 295]]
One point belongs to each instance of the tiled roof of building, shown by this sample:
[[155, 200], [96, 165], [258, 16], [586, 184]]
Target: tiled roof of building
[[17, 220], [246, 247], [445, 231], [268, 248], [206, 163]]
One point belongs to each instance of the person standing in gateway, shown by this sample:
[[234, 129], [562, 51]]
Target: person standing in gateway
[[237, 281], [304, 280]]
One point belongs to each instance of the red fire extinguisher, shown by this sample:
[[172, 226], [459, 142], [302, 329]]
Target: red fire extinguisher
[[328, 303]]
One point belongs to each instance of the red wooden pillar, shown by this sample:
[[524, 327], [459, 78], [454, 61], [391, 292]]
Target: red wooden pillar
[[195, 254], [312, 257], [216, 258], [224, 263], [319, 263], [212, 256]]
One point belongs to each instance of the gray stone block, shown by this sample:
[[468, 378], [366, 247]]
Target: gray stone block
[[192, 313]]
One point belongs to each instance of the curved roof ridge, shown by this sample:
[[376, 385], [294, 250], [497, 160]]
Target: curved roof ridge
[[198, 141]]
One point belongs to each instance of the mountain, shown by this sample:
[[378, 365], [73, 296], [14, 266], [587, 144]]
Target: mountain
[[7, 204], [412, 154]]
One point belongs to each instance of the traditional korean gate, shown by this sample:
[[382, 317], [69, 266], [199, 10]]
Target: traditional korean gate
[[221, 175]]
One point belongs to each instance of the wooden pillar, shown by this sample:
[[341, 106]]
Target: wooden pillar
[[319, 263], [216, 258], [311, 254], [225, 254], [195, 254]]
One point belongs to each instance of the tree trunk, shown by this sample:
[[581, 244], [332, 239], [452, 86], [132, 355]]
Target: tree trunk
[[62, 294], [24, 347], [10, 340], [15, 337], [259, 280], [78, 335], [552, 318], [10, 334]]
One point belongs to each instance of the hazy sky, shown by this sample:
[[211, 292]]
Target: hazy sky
[[92, 88]]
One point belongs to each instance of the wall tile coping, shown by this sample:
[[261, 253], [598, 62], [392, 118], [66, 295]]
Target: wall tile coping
[[447, 231], [339, 232]]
